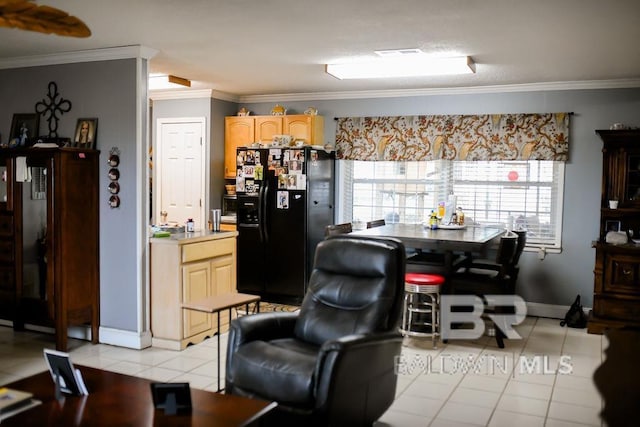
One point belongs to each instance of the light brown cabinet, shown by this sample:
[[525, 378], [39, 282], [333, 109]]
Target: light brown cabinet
[[184, 269], [616, 299], [238, 132], [241, 131]]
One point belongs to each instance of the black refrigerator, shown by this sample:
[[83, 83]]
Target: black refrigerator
[[285, 199]]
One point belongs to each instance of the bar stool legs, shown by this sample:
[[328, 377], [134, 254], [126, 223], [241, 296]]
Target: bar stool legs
[[421, 310]]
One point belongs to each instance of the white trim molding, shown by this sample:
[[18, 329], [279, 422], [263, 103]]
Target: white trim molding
[[158, 95], [552, 311], [128, 339], [400, 93], [93, 55]]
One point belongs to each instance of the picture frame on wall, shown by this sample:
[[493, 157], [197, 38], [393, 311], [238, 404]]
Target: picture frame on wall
[[86, 133], [24, 129], [613, 225]]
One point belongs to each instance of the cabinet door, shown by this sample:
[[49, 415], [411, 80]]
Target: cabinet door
[[196, 282], [224, 282], [224, 275], [267, 127], [238, 132], [632, 178], [304, 127], [622, 274], [6, 196]]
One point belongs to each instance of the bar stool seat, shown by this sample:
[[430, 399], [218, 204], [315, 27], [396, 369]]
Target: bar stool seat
[[421, 311]]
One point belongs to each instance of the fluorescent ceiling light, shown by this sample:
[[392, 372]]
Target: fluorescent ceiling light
[[402, 65], [164, 81]]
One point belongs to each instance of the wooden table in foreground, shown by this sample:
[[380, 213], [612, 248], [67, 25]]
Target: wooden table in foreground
[[122, 400]]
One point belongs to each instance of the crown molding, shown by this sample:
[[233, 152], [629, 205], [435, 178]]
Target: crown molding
[[158, 95], [528, 87], [93, 55]]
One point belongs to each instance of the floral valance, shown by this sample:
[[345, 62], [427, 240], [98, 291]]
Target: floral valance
[[454, 137]]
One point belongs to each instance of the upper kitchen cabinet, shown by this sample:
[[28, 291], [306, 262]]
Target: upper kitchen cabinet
[[267, 127], [239, 131], [305, 127]]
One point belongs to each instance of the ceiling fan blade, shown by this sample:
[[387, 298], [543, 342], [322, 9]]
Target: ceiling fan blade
[[44, 19]]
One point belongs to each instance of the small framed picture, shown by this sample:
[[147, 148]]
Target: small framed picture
[[613, 226], [86, 132], [24, 128]]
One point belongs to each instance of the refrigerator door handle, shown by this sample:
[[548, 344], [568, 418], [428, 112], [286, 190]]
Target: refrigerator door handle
[[262, 212]]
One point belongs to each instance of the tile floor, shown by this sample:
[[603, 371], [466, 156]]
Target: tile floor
[[544, 379]]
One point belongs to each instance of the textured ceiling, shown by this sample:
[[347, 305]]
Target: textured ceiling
[[257, 47]]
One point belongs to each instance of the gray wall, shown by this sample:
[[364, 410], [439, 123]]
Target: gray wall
[[559, 277], [106, 90]]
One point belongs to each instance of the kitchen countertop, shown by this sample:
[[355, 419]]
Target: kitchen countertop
[[196, 236]]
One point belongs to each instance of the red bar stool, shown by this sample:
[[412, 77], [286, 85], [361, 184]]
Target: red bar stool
[[421, 312]]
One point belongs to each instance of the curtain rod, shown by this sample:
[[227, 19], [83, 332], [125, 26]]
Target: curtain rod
[[571, 113]]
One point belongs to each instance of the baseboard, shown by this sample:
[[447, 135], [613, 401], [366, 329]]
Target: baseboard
[[122, 338], [107, 335], [552, 311]]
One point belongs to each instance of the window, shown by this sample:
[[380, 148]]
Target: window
[[525, 194]]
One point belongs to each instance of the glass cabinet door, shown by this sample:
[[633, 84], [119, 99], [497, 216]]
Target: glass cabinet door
[[5, 185], [632, 190]]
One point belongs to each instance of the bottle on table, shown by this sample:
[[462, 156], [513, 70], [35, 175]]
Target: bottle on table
[[433, 221]]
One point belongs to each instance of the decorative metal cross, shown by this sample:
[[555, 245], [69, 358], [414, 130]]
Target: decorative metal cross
[[51, 107]]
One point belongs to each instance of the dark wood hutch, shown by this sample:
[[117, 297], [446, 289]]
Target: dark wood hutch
[[49, 272], [616, 299]]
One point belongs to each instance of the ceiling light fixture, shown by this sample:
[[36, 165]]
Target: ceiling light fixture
[[402, 65], [164, 81]]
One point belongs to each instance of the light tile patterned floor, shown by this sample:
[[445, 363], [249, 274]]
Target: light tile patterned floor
[[463, 383]]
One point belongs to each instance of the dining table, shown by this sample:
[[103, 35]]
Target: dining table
[[472, 240]]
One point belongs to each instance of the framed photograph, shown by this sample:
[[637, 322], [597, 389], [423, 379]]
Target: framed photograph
[[64, 374], [613, 225], [24, 128], [86, 132], [172, 397]]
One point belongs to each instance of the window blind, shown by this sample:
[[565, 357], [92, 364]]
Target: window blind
[[520, 194]]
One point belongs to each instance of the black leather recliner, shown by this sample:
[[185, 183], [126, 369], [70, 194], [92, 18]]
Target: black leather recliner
[[333, 362]]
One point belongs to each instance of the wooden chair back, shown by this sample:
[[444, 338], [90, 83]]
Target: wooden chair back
[[334, 229], [375, 223]]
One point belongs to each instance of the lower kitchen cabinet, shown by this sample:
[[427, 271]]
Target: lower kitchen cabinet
[[187, 268]]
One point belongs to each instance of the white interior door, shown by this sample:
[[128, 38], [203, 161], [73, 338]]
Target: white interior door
[[180, 172]]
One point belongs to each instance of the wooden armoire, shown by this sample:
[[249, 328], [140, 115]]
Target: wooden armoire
[[616, 293], [49, 272]]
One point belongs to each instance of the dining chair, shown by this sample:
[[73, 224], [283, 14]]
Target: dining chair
[[376, 223], [333, 229], [492, 277]]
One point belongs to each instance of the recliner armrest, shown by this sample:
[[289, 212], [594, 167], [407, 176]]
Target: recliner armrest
[[353, 340], [348, 369], [262, 326]]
